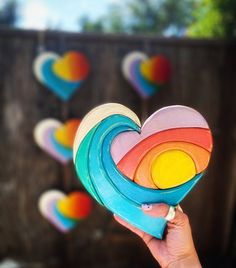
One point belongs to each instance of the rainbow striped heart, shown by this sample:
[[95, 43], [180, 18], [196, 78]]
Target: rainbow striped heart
[[124, 166], [63, 211], [56, 138], [146, 75], [62, 75]]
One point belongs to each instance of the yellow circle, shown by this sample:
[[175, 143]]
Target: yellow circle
[[172, 168]]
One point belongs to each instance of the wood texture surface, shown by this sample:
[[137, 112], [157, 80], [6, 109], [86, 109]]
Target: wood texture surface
[[203, 76]]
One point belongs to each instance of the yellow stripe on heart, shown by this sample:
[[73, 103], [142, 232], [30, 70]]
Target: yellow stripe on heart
[[61, 137], [172, 168], [62, 68], [146, 69], [65, 135], [72, 67]]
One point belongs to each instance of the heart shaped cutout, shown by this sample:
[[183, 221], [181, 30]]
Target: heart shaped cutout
[[62, 75], [124, 166], [56, 138], [62, 211], [146, 75]]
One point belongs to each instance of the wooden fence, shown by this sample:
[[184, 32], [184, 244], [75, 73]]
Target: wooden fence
[[203, 77]]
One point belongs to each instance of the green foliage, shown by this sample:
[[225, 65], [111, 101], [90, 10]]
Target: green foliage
[[89, 26], [145, 16], [8, 14], [155, 16], [214, 18], [228, 14], [111, 22], [114, 20]]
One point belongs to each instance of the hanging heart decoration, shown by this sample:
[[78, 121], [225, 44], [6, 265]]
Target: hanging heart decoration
[[65, 211], [62, 75], [56, 138], [146, 75], [123, 165]]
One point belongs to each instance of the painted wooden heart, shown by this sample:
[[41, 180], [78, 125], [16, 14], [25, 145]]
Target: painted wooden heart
[[56, 138], [76, 205], [62, 75], [124, 166], [63, 211], [146, 75]]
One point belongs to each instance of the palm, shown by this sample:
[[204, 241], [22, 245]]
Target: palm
[[176, 245]]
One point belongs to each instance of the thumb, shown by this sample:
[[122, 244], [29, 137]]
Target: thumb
[[161, 210]]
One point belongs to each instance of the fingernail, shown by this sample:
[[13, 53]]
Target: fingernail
[[146, 207]]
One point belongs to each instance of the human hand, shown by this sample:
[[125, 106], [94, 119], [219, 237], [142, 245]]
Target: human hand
[[177, 248]]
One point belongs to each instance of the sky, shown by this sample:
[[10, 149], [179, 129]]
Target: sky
[[59, 14]]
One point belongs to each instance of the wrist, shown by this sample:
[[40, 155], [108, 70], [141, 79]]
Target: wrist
[[189, 261]]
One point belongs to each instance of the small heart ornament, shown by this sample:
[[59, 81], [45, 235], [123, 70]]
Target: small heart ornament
[[123, 165], [76, 205], [146, 75], [56, 138], [62, 75], [62, 211]]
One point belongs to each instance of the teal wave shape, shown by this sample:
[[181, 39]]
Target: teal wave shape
[[100, 176]]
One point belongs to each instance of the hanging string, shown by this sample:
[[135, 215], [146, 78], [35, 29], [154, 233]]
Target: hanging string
[[64, 114], [41, 42], [145, 102], [62, 46], [66, 171]]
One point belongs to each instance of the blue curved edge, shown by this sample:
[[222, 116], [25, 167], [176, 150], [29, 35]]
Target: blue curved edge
[[67, 153], [63, 89], [64, 222], [144, 87]]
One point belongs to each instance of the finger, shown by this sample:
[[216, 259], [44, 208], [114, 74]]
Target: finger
[[180, 219], [135, 230], [161, 210], [156, 210]]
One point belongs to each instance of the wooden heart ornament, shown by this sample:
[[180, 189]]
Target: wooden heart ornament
[[146, 75], [62, 75], [63, 211], [56, 138], [76, 205], [123, 165]]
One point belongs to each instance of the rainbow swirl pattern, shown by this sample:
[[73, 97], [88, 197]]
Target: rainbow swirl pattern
[[124, 166], [64, 211], [62, 75], [56, 138], [146, 75]]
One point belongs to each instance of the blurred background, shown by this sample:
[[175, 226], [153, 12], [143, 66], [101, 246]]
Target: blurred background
[[198, 38]]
